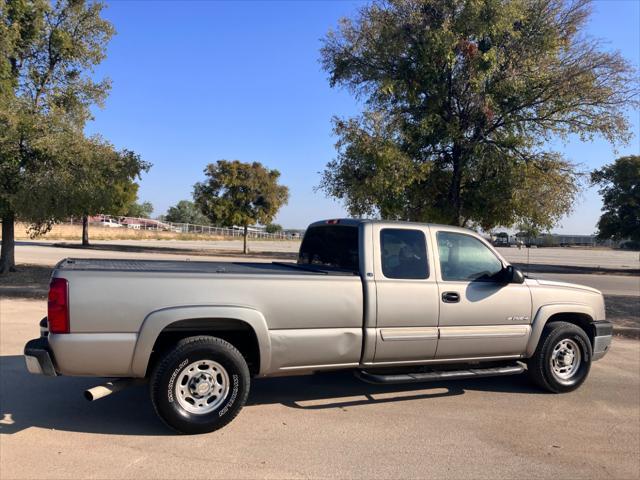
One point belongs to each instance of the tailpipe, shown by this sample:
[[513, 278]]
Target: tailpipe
[[107, 388]]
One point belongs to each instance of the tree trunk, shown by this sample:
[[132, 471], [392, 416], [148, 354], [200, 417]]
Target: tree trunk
[[455, 186], [7, 255], [246, 234], [85, 230]]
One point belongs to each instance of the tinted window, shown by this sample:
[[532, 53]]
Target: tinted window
[[334, 246], [463, 257], [404, 253]]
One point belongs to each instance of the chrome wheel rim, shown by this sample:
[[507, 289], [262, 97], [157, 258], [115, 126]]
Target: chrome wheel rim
[[202, 386], [565, 360]]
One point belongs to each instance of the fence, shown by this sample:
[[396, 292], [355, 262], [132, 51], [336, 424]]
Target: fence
[[554, 240], [137, 223]]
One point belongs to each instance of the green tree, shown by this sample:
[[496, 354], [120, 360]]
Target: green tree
[[620, 189], [240, 194], [91, 177], [273, 228], [186, 212], [48, 52], [139, 210], [460, 100]]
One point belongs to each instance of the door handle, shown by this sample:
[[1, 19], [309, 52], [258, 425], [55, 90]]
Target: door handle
[[450, 297]]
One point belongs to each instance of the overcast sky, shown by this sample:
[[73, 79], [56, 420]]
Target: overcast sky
[[194, 82]]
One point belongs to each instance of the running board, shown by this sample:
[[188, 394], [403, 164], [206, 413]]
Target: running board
[[438, 375]]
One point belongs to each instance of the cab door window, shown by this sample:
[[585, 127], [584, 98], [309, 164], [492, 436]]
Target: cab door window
[[465, 258], [404, 253]]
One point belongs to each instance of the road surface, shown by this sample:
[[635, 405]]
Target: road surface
[[578, 257], [329, 426]]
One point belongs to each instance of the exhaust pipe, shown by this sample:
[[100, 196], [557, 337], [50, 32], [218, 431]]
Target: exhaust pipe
[[113, 386]]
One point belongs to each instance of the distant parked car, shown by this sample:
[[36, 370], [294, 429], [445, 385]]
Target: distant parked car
[[109, 223]]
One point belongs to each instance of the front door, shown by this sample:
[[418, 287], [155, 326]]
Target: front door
[[407, 295], [480, 315]]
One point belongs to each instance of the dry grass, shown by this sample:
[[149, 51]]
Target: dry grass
[[74, 232]]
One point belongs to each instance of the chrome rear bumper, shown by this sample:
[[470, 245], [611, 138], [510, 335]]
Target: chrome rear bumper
[[39, 358]]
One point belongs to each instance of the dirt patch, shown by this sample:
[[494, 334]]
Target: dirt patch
[[29, 281]]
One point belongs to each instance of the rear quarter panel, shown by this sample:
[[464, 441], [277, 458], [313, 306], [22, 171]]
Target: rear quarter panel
[[311, 320]]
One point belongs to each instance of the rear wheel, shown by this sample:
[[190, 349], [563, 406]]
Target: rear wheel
[[200, 385], [562, 359]]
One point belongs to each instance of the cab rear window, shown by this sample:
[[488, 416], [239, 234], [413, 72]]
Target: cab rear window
[[331, 246]]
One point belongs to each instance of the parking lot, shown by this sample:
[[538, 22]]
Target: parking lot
[[329, 425]]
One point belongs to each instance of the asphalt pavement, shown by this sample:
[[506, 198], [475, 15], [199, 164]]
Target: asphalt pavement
[[608, 284], [328, 425], [323, 426]]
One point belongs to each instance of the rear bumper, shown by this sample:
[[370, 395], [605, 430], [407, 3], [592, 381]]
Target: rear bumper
[[39, 358], [603, 333]]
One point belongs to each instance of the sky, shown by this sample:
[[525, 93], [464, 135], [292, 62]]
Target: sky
[[199, 81]]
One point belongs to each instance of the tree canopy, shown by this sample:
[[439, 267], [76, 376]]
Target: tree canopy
[[48, 52], [47, 88], [273, 228], [461, 98], [138, 209], [87, 176], [186, 212], [240, 194], [619, 185]]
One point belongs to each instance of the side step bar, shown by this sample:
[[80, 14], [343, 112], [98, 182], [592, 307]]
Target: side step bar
[[377, 378]]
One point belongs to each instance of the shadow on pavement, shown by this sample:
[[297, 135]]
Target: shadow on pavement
[[57, 403], [32, 244], [29, 281], [342, 389]]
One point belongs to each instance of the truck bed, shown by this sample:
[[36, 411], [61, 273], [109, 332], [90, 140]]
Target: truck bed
[[186, 266]]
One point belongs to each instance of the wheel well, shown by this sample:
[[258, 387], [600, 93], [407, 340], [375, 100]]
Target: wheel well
[[582, 320], [236, 332]]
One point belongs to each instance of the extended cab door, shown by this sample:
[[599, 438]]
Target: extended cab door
[[407, 294], [480, 314]]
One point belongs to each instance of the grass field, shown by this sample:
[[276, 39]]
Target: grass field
[[74, 232]]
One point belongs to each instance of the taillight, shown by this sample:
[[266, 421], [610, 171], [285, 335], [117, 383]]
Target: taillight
[[58, 307]]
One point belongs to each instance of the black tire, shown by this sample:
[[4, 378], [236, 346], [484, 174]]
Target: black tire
[[540, 367], [173, 366]]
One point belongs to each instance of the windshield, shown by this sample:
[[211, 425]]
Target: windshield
[[331, 246]]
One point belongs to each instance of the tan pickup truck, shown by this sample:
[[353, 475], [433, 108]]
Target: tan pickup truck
[[394, 302]]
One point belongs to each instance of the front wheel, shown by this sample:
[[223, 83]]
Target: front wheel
[[200, 385], [562, 359]]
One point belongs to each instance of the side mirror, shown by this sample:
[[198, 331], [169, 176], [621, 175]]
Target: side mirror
[[513, 275]]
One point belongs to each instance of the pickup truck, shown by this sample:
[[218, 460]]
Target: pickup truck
[[393, 301]]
